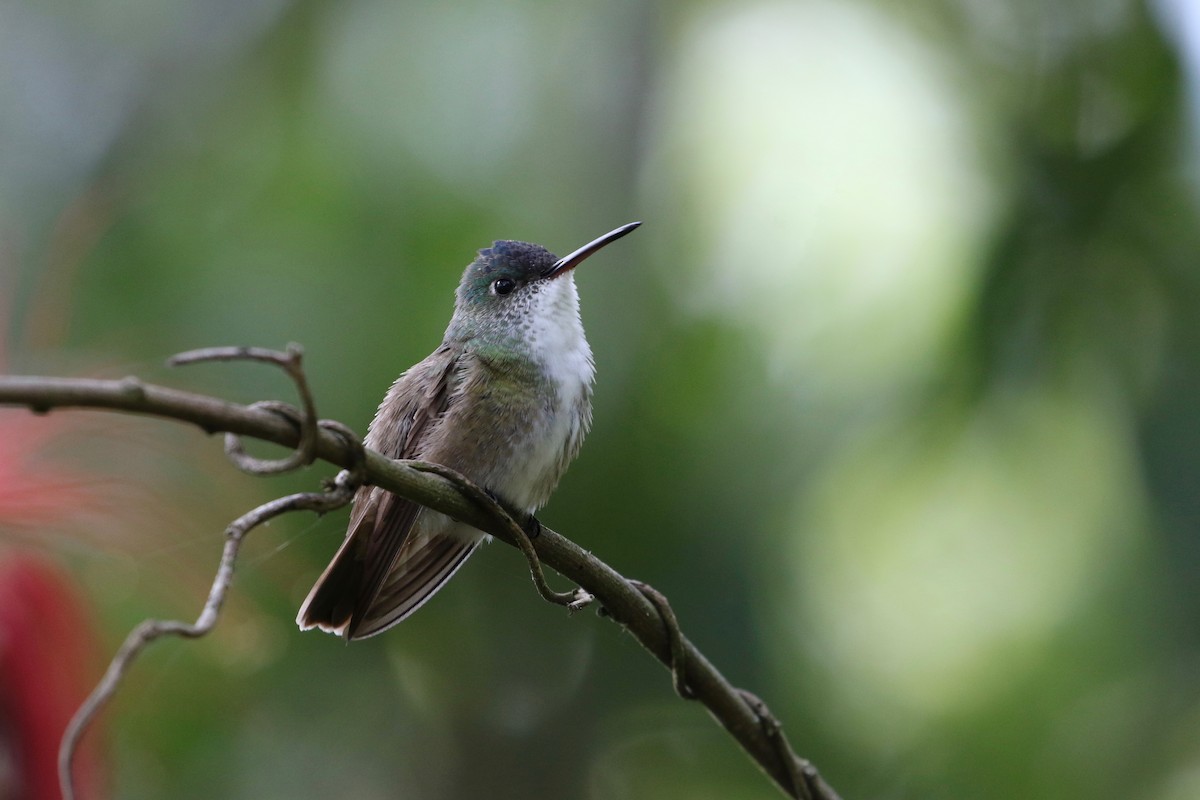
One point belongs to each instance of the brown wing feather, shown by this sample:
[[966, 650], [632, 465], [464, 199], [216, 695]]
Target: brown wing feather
[[348, 593], [420, 572]]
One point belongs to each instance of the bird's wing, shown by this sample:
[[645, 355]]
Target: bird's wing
[[380, 574], [422, 567]]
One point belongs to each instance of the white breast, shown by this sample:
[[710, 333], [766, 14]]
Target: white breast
[[556, 339]]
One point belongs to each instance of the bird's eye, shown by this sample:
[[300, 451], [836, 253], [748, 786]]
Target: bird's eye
[[503, 285]]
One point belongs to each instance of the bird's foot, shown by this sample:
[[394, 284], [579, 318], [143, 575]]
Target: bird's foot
[[528, 522]]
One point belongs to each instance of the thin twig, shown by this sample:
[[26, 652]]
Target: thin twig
[[152, 629], [674, 635], [290, 362], [337, 493], [803, 777], [749, 724]]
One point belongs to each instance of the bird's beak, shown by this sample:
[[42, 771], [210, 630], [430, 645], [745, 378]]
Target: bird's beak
[[568, 263]]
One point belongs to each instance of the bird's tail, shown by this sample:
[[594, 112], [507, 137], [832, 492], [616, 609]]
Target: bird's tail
[[337, 602]]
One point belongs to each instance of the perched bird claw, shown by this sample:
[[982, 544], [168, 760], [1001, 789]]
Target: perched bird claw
[[532, 526], [528, 522]]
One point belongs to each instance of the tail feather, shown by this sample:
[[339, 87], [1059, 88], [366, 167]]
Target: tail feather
[[418, 577], [330, 603], [422, 567]]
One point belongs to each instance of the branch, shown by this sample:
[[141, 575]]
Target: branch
[[151, 629], [638, 608]]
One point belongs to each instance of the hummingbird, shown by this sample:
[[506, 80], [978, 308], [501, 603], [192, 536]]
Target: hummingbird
[[505, 400]]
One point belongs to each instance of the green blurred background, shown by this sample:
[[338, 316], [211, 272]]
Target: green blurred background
[[896, 388]]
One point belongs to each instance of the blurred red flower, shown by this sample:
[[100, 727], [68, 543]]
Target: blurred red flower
[[48, 659], [49, 654]]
